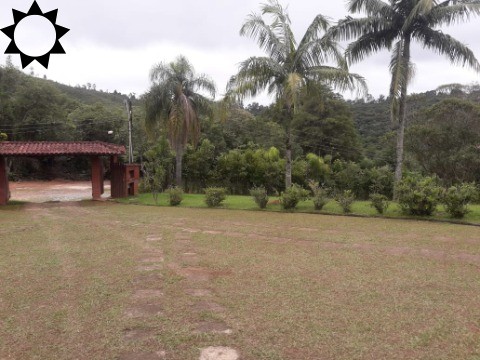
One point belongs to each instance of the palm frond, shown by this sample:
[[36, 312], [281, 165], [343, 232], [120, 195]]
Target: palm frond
[[319, 24], [203, 83], [421, 9], [318, 52], [453, 14], [156, 107], [350, 28], [280, 25], [183, 124], [369, 43], [371, 7], [256, 28], [339, 79], [445, 44], [160, 72], [255, 74]]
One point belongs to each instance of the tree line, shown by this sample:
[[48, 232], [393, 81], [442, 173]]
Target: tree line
[[179, 116]]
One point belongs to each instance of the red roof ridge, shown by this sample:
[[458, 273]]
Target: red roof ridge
[[57, 148]]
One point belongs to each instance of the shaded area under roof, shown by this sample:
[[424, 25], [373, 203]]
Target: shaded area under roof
[[58, 148]]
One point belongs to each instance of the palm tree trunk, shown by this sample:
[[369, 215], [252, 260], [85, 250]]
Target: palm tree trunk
[[401, 112], [288, 165], [178, 165]]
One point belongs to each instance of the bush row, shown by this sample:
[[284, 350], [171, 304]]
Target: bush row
[[416, 195]]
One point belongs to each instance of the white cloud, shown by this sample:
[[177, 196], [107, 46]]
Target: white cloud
[[114, 44]]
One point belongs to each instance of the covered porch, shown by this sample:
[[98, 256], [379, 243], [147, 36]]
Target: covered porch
[[95, 150]]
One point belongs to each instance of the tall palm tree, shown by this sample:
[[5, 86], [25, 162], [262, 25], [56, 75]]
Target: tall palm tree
[[393, 25], [289, 67], [175, 102]]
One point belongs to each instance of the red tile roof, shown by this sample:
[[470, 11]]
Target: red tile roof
[[48, 148]]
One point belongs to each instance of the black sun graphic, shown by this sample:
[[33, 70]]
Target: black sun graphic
[[56, 47]]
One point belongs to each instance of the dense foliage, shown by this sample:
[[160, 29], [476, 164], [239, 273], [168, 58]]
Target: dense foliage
[[214, 196], [337, 145], [418, 195]]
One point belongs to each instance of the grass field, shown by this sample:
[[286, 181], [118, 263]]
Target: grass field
[[110, 281], [363, 208]]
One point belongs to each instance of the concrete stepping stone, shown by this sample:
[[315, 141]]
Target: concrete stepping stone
[[199, 292], [147, 294], [152, 280], [151, 267], [211, 232], [137, 334], [159, 355], [144, 310], [189, 254], [213, 327], [191, 231], [208, 306], [152, 259], [183, 236], [153, 238], [219, 353]]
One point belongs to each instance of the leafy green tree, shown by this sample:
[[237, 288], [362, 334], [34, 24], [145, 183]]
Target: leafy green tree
[[157, 168], [199, 165], [93, 123], [324, 125], [174, 100], [393, 25], [444, 141], [242, 169], [289, 67], [33, 109], [242, 128], [318, 169]]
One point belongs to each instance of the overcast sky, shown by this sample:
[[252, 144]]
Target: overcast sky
[[115, 43]]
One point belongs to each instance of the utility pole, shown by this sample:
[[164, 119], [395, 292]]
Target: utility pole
[[128, 105]]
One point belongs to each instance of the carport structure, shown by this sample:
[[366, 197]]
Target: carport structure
[[93, 149]]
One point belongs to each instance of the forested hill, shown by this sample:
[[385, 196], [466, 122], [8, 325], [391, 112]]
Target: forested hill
[[372, 118], [38, 109], [34, 108], [87, 94]]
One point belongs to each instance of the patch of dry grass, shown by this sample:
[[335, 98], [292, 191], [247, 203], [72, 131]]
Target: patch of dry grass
[[290, 286]]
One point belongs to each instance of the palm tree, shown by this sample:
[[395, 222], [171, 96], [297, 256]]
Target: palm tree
[[393, 25], [289, 67], [174, 101]]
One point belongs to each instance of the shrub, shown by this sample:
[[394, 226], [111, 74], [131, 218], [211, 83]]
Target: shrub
[[292, 196], [214, 196], [345, 199], [175, 195], [260, 196], [320, 197], [418, 195], [457, 198], [379, 202]]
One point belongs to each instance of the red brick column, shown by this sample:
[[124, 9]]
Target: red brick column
[[4, 190], [97, 178]]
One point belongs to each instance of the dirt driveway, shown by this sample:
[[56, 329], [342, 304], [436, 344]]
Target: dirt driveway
[[56, 190]]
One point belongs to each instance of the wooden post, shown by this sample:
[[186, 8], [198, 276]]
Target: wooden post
[[97, 178], [4, 189]]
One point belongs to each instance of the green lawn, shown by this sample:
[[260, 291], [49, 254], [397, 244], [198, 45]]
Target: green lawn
[[288, 286], [362, 208]]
